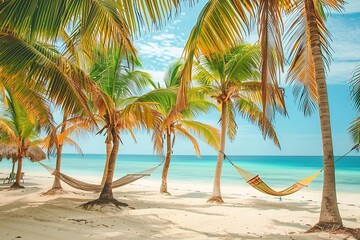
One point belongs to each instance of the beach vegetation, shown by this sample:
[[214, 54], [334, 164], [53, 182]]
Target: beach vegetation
[[310, 58], [27, 28], [221, 24], [354, 129], [19, 131], [63, 135], [235, 83], [118, 108], [184, 124]]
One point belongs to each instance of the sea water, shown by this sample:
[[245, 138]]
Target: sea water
[[277, 171]]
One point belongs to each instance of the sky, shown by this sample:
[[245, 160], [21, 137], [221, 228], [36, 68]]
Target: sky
[[298, 135]]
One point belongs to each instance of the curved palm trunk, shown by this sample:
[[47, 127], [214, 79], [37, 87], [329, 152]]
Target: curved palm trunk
[[163, 188], [106, 193], [106, 196], [216, 194], [57, 183], [108, 152], [16, 184], [56, 187], [329, 215], [13, 167]]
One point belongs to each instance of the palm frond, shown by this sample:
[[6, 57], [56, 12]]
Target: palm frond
[[355, 87], [205, 132], [181, 131], [220, 25], [38, 19], [158, 140], [138, 114], [198, 106], [172, 75], [205, 73], [150, 14], [252, 113], [242, 63], [354, 130], [64, 83], [7, 131], [301, 73], [113, 71], [231, 122], [270, 31], [70, 142]]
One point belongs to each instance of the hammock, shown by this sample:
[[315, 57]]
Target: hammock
[[256, 182], [129, 178]]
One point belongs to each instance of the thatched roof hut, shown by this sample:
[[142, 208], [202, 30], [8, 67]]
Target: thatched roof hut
[[11, 151]]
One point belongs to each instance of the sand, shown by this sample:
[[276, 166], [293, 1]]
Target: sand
[[246, 214]]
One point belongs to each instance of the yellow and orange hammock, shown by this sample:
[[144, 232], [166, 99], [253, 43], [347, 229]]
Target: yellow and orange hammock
[[256, 182]]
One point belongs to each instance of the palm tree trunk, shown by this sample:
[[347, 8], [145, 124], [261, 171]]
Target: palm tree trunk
[[163, 188], [108, 152], [56, 187], [57, 183], [329, 215], [16, 184], [106, 193], [13, 167], [216, 194], [106, 196]]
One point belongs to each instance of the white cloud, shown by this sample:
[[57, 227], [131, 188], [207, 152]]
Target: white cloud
[[164, 36], [154, 49]]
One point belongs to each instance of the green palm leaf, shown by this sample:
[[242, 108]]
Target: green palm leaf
[[355, 87], [220, 25], [231, 122], [354, 130], [206, 132], [42, 67], [252, 113], [301, 73]]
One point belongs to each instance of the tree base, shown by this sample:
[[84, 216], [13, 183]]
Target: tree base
[[103, 204], [215, 199], [335, 228], [165, 193], [16, 186], [55, 191]]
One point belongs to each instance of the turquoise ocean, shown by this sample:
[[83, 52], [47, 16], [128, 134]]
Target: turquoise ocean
[[277, 171]]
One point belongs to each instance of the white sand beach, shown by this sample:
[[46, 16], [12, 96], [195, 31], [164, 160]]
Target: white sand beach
[[246, 214]]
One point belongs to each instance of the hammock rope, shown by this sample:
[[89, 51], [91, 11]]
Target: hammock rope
[[256, 182], [127, 179]]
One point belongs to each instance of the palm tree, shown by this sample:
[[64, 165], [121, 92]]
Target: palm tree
[[310, 52], [115, 75], [222, 24], [234, 77], [354, 129], [183, 125], [27, 27], [60, 137], [18, 130]]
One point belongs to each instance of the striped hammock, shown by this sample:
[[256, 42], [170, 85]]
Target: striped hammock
[[256, 182]]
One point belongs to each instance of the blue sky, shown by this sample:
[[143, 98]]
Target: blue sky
[[298, 135]]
